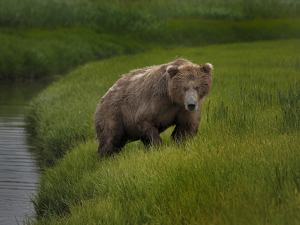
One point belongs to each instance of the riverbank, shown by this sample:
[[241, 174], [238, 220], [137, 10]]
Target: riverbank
[[242, 167], [19, 169]]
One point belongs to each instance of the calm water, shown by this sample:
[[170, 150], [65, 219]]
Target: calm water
[[19, 170]]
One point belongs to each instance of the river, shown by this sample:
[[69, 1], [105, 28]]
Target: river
[[19, 170]]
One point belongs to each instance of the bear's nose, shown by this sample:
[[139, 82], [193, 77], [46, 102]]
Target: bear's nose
[[191, 106]]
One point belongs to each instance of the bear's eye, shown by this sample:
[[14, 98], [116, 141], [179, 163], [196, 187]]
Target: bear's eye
[[197, 88], [184, 89]]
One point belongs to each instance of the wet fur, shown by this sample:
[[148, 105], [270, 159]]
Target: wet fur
[[145, 102]]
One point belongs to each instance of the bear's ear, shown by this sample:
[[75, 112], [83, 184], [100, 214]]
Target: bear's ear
[[172, 71], [207, 68]]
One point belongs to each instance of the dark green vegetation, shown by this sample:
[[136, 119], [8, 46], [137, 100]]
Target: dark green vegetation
[[37, 53], [135, 14], [40, 38], [241, 168]]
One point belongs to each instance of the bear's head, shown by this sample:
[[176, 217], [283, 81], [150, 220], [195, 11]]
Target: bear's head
[[189, 83]]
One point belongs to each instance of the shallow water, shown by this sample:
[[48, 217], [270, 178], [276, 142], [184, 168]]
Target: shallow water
[[19, 170]]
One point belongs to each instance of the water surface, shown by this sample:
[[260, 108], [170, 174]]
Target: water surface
[[19, 170]]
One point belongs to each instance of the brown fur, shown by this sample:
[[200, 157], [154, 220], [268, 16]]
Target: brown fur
[[145, 102]]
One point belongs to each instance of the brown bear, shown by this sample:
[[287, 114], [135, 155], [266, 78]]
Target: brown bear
[[145, 102]]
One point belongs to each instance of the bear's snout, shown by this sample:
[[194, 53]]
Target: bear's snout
[[191, 100]]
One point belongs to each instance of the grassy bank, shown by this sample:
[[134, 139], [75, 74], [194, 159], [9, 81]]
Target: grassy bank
[[41, 38], [241, 168], [38, 53]]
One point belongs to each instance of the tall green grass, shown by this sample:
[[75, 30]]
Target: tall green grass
[[216, 178], [135, 15], [199, 32], [41, 38], [241, 168], [36, 53]]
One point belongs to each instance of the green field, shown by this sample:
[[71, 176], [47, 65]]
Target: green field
[[242, 167]]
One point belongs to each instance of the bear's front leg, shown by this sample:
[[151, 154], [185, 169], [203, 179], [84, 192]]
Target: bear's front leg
[[187, 124], [184, 131], [149, 134]]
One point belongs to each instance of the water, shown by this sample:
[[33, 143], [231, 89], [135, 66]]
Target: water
[[19, 170]]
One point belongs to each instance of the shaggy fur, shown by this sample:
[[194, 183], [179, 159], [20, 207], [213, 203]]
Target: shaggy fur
[[145, 102]]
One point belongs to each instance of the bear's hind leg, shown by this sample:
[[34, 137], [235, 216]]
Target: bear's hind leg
[[111, 140], [109, 145]]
